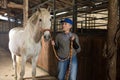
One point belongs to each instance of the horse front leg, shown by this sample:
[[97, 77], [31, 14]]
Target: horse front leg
[[23, 62], [34, 62]]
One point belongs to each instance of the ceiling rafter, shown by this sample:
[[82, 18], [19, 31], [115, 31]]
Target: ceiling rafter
[[59, 5], [62, 5], [67, 3]]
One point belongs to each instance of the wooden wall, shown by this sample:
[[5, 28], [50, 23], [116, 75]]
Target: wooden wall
[[4, 40], [5, 26], [47, 60], [118, 61], [91, 61]]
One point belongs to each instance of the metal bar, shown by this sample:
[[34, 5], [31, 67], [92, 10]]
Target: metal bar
[[74, 15], [104, 18], [85, 20], [54, 12], [8, 12], [95, 26]]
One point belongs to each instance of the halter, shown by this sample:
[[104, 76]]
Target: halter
[[46, 30], [43, 30]]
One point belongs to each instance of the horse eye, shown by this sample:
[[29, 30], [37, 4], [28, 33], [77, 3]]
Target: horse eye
[[40, 20]]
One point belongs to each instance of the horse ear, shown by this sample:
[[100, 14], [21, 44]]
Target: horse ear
[[38, 9], [49, 9]]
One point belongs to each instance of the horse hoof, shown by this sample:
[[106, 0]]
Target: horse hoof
[[20, 78], [33, 78], [15, 78]]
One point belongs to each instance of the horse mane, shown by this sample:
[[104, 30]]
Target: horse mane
[[32, 22], [33, 19]]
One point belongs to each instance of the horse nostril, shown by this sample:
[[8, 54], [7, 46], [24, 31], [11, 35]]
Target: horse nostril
[[47, 37]]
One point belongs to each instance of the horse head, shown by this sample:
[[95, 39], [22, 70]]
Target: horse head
[[42, 22], [45, 23]]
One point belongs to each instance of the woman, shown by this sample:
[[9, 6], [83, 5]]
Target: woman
[[62, 45]]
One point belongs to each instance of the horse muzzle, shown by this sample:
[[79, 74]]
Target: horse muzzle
[[47, 35]]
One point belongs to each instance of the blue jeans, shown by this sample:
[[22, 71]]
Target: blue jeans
[[63, 66]]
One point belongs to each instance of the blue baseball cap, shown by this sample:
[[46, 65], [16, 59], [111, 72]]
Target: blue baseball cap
[[67, 20]]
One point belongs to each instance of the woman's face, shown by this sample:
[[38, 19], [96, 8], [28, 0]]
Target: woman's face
[[66, 26]]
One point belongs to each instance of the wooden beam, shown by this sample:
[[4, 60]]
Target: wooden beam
[[50, 4], [10, 5], [38, 6], [25, 12], [14, 5], [2, 12], [4, 3], [59, 5], [67, 2]]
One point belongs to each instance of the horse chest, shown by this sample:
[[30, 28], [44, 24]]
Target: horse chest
[[32, 49]]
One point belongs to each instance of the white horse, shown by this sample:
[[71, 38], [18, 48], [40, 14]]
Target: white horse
[[26, 42]]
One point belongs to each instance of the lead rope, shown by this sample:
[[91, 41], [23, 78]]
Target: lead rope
[[70, 64], [69, 56], [58, 56]]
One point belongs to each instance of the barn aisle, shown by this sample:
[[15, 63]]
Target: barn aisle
[[7, 73]]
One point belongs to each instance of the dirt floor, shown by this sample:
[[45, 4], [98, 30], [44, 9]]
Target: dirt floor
[[7, 72]]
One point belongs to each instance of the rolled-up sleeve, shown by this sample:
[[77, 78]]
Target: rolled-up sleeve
[[56, 43], [77, 41]]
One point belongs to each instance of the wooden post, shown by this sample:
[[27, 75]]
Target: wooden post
[[111, 47], [25, 12], [4, 3], [9, 23], [119, 11]]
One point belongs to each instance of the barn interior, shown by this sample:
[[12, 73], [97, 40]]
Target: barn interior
[[95, 21]]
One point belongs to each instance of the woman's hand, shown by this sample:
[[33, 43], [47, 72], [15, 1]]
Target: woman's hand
[[73, 38], [53, 42]]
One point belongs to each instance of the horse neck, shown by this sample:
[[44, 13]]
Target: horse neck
[[33, 32]]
